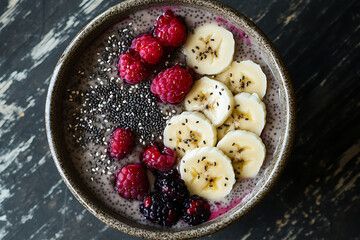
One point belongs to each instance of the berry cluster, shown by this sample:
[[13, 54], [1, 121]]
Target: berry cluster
[[171, 200], [147, 50]]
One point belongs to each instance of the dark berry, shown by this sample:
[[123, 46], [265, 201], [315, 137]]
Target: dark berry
[[160, 210], [172, 186], [196, 210]]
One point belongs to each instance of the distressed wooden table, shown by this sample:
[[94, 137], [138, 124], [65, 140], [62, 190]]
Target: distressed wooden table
[[318, 195]]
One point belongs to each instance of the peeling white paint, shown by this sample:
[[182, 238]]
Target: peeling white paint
[[9, 15], [30, 214], [9, 157], [52, 189], [4, 194], [89, 6]]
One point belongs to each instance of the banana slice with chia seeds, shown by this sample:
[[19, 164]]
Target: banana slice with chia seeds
[[210, 49], [207, 172], [212, 98], [246, 151], [189, 130], [249, 114], [244, 76]]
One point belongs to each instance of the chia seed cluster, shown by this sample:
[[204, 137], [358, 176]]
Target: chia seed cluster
[[123, 105]]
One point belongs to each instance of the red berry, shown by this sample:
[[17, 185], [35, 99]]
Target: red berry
[[131, 68], [170, 30], [149, 48], [172, 84], [121, 143], [132, 182], [162, 161]]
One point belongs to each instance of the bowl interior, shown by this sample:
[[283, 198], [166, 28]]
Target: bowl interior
[[63, 158]]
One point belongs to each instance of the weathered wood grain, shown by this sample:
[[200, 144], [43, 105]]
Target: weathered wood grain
[[316, 198]]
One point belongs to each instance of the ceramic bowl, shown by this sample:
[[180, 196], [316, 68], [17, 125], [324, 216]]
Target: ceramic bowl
[[53, 115]]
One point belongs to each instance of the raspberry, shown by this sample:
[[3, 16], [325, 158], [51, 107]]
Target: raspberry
[[170, 30], [172, 186], [149, 48], [132, 182], [121, 143], [172, 84], [160, 210], [131, 68], [155, 159], [196, 210]]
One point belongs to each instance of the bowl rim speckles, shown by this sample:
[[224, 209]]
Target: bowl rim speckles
[[55, 133]]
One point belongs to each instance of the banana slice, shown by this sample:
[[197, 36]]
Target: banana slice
[[211, 97], [207, 172], [210, 49], [244, 76], [249, 114], [189, 130], [246, 151]]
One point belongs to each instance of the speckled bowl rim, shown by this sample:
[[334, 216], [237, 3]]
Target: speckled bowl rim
[[278, 161]]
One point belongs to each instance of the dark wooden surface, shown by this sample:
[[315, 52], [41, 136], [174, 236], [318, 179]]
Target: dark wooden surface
[[318, 195]]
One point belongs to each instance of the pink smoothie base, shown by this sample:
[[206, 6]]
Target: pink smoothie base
[[222, 210], [165, 8], [232, 28]]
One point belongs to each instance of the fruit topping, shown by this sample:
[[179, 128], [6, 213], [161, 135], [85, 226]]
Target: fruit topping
[[172, 186], [172, 84], [132, 182], [159, 160], [249, 114], [170, 30], [207, 172], [189, 130], [244, 76], [149, 48], [246, 151], [131, 68], [210, 49], [121, 143], [160, 210], [196, 210], [211, 97]]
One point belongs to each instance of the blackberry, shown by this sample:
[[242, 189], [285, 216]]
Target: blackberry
[[196, 210], [172, 186], [159, 210]]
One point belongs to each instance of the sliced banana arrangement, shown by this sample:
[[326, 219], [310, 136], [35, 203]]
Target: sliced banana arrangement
[[225, 110], [244, 76], [210, 49], [189, 130], [249, 114], [212, 98], [207, 172], [246, 151]]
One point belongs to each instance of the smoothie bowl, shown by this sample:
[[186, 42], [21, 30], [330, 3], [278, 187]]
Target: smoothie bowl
[[170, 119]]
